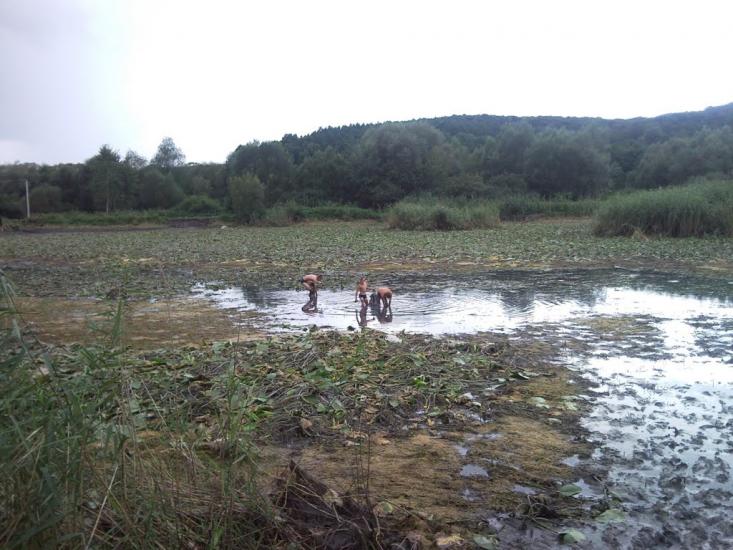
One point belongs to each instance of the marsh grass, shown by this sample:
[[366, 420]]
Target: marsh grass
[[102, 448], [433, 215], [522, 207], [292, 212], [78, 472], [120, 217], [694, 210]]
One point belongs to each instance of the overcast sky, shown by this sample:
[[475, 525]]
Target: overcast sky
[[214, 74]]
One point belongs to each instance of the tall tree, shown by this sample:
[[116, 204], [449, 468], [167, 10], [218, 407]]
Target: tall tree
[[394, 160], [106, 178], [272, 165], [168, 155], [247, 196], [560, 161]]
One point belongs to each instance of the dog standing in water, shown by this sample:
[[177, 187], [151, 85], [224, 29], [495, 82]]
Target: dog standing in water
[[310, 282], [362, 288]]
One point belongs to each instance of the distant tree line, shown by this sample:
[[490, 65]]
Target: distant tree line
[[374, 165]]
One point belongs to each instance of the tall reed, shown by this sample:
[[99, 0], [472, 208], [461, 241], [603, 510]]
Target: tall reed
[[435, 215], [693, 210]]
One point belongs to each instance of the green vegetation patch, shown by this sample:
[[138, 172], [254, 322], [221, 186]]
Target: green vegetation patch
[[427, 214], [521, 207], [694, 210], [168, 261], [104, 446]]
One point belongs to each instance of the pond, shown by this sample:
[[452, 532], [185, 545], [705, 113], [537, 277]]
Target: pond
[[657, 346]]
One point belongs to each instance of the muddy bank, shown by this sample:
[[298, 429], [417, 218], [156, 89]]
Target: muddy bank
[[145, 324], [441, 433]]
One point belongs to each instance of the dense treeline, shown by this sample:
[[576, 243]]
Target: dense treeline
[[374, 166]]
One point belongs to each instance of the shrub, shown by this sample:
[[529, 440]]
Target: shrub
[[117, 217], [340, 212], [521, 207], [277, 216], [247, 195], [430, 214], [503, 185], [199, 204], [694, 210], [292, 212]]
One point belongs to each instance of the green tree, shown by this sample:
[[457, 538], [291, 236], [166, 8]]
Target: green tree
[[106, 180], [325, 176], [270, 162], [168, 155], [247, 197], [200, 186], [506, 184], [134, 161], [158, 190], [507, 154], [394, 160], [45, 198], [566, 162]]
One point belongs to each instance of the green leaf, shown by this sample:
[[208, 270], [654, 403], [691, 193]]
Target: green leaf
[[571, 536], [570, 490], [612, 515]]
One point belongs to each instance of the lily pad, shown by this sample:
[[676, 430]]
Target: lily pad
[[485, 542], [570, 490], [612, 515], [571, 536]]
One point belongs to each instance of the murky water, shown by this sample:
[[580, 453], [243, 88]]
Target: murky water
[[659, 346]]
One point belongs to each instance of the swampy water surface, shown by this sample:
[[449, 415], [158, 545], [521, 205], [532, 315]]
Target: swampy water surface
[[658, 348]]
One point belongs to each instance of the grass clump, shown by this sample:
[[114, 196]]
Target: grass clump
[[121, 217], [198, 205], [292, 212], [693, 210], [432, 215], [521, 207]]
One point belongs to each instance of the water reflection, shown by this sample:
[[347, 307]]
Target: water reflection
[[659, 347], [498, 302]]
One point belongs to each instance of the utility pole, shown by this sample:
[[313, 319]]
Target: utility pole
[[27, 201]]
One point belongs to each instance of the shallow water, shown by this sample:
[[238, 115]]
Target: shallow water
[[659, 346]]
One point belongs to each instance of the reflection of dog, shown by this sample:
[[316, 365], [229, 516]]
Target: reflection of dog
[[383, 296]]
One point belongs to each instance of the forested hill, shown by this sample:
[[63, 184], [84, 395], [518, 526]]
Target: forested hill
[[374, 165], [475, 128]]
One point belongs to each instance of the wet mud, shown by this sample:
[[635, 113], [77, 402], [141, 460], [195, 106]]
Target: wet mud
[[146, 324]]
